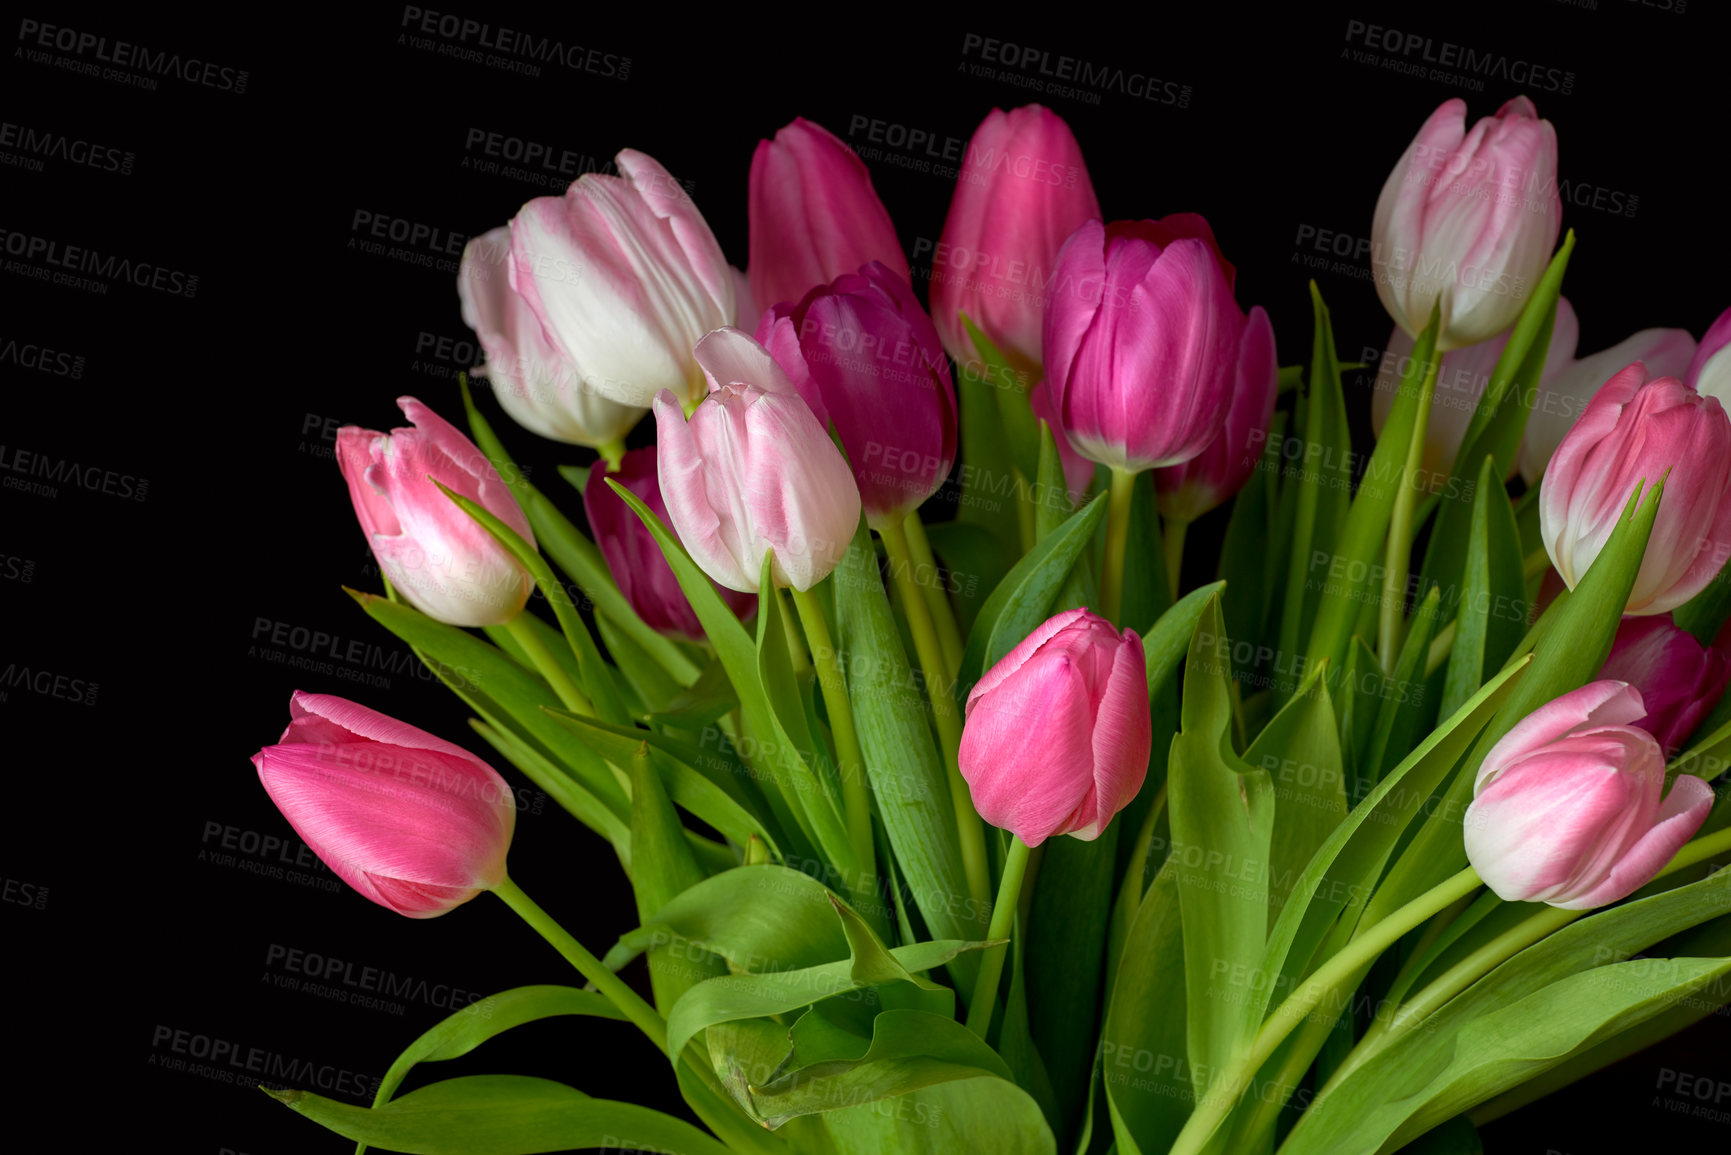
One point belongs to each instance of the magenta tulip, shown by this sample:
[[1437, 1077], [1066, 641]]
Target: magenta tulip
[[1639, 430], [1468, 219], [1680, 680], [1058, 732], [1141, 341], [626, 278], [865, 358], [814, 216], [1709, 370], [437, 556], [753, 473], [1567, 808], [1187, 491], [633, 557], [535, 384], [1022, 191], [413, 822]]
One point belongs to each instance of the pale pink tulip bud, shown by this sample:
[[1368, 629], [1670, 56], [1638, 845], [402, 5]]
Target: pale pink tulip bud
[[1709, 371], [1636, 430], [1022, 191], [1563, 394], [1680, 680], [753, 473], [1189, 490], [626, 278], [814, 216], [438, 557], [1058, 732], [1567, 808], [1468, 219], [1461, 381], [533, 381], [1141, 341], [415, 823]]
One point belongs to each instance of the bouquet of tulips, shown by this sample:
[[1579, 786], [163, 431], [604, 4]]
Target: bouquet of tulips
[[1403, 821]]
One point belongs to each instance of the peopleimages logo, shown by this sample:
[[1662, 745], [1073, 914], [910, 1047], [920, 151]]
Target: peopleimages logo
[[88, 261], [40, 39], [509, 48], [1420, 50]]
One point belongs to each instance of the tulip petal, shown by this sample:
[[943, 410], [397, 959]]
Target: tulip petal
[[1679, 817], [1123, 736], [1602, 703], [1023, 650]]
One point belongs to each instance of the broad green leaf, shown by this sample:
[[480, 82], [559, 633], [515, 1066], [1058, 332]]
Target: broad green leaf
[[1165, 646], [1704, 614], [1015, 1040], [607, 821], [1492, 613], [662, 869], [501, 1115], [706, 702], [1021, 428], [1051, 494], [1143, 1055], [874, 965], [1402, 712], [650, 685], [1147, 589], [755, 917], [975, 562], [988, 498], [984, 1114], [1248, 562]]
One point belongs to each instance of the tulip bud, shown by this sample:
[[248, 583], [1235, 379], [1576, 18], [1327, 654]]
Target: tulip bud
[[633, 557], [534, 383], [1141, 341], [1185, 492], [1563, 395], [1468, 219], [1680, 680], [1709, 371], [1636, 430], [753, 473], [626, 278], [814, 216], [1461, 381], [1567, 810], [866, 358], [413, 822], [438, 557], [1058, 732], [1022, 191]]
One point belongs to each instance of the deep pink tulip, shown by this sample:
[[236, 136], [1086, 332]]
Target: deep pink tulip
[[1461, 381], [1635, 429], [1141, 341], [1022, 191], [1470, 219], [865, 358], [1187, 491], [535, 384], [633, 557], [814, 216], [1058, 732], [1680, 680], [413, 822], [1567, 810], [437, 556], [1709, 371], [753, 473], [626, 277]]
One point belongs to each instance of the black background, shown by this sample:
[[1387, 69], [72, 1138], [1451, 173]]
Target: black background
[[119, 923]]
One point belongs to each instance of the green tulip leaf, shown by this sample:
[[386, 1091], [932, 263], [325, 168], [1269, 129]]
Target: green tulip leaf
[[1493, 607], [977, 1114]]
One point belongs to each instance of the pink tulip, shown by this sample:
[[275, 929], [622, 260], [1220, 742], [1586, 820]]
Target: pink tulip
[[626, 278], [814, 216], [1461, 381], [533, 381], [1022, 191], [413, 822], [1636, 430], [633, 557], [1680, 680], [1185, 492], [1567, 810], [1468, 218], [865, 358], [1141, 341], [753, 473], [437, 556], [1058, 732], [1709, 371]]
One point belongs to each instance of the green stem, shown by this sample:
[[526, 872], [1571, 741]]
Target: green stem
[[856, 797], [605, 981], [1117, 540], [1400, 527], [795, 643], [573, 698], [941, 693], [612, 452], [1532, 566], [1174, 537], [1214, 1106], [937, 600], [1003, 918]]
